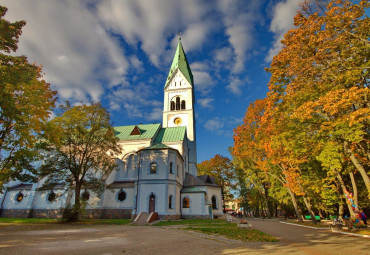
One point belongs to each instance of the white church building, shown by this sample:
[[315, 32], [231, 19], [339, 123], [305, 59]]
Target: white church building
[[156, 172]]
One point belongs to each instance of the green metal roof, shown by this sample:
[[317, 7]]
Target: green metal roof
[[180, 62], [170, 134], [147, 131], [157, 146]]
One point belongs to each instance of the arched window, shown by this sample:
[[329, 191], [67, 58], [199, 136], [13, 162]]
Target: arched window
[[153, 168], [177, 103], [170, 202], [183, 105], [121, 195], [171, 168], [185, 202], [214, 202], [85, 196], [19, 197], [52, 196], [172, 105]]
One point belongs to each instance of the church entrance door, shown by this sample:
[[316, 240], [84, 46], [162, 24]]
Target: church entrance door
[[151, 203], [210, 212]]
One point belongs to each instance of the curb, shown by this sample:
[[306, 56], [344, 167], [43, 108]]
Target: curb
[[350, 234], [302, 225], [334, 231]]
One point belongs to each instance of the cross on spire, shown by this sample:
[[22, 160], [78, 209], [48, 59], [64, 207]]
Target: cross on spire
[[179, 35]]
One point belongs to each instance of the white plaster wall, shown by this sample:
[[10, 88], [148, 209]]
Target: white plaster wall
[[132, 146], [177, 146], [110, 198], [42, 202], [172, 158], [185, 91], [154, 156], [197, 204], [215, 191], [178, 199], [161, 199], [11, 202]]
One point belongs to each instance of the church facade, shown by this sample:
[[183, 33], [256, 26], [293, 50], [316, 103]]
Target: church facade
[[156, 171]]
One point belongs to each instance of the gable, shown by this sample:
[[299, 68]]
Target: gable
[[136, 132]]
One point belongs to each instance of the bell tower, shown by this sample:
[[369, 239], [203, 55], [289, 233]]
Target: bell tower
[[179, 102]]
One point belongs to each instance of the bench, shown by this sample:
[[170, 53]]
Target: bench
[[308, 217]]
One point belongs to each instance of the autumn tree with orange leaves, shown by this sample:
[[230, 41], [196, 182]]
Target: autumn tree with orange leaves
[[222, 169], [317, 108], [26, 101]]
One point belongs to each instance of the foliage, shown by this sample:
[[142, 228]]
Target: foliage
[[196, 222], [312, 130], [25, 104], [223, 170], [246, 235], [78, 149]]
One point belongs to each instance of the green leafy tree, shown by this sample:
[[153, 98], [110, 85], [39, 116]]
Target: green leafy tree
[[25, 104], [79, 149], [222, 169]]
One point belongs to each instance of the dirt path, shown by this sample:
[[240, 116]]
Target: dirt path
[[61, 239]]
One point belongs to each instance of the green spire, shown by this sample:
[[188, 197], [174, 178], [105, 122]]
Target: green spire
[[180, 62]]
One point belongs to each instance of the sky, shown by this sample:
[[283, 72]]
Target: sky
[[119, 52]]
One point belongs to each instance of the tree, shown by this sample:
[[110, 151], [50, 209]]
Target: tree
[[222, 169], [26, 101], [321, 77], [79, 148]]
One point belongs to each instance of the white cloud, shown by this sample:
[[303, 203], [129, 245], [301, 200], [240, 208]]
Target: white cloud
[[204, 82], [206, 102], [67, 39], [282, 22], [215, 125], [136, 63], [137, 102], [235, 85], [222, 126], [239, 18], [224, 54], [152, 22]]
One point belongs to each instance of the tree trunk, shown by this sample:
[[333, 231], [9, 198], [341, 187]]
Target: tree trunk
[[358, 166], [351, 212], [354, 188], [340, 210], [298, 214], [320, 214], [308, 205], [77, 206]]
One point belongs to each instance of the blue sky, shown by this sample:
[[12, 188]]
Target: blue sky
[[119, 52]]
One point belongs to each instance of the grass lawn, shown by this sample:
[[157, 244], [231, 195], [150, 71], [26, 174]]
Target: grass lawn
[[28, 221], [243, 234], [196, 222], [221, 227], [25, 221], [364, 232]]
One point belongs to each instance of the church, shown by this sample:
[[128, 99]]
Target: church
[[156, 174]]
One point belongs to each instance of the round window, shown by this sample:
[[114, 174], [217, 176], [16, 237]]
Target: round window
[[121, 195], [19, 197], [85, 196], [51, 197]]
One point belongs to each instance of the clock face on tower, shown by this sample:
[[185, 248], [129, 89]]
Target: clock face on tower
[[177, 121]]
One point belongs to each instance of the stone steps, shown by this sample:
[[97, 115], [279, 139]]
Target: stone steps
[[142, 218]]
